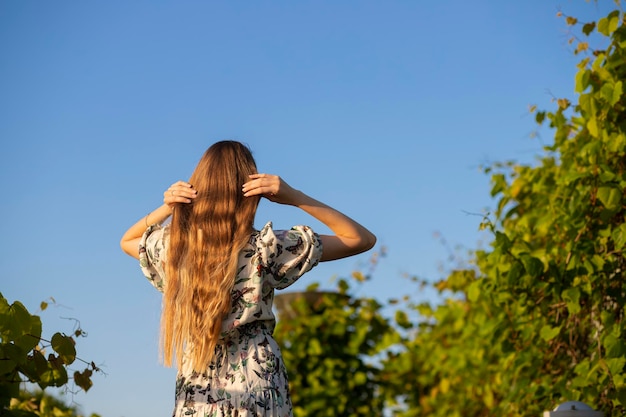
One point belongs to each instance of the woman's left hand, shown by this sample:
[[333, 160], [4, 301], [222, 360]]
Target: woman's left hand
[[179, 192], [272, 187]]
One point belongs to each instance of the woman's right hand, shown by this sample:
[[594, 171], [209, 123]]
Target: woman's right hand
[[179, 192]]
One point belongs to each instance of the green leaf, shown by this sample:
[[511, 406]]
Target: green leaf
[[540, 117], [533, 266], [314, 348], [32, 335], [83, 379], [7, 365], [603, 26], [606, 175], [64, 346], [41, 364], [4, 305], [15, 323], [614, 346], [499, 184], [610, 197], [54, 376], [343, 286], [572, 298], [617, 93], [619, 237], [402, 319], [360, 378], [548, 332], [607, 92], [592, 126], [617, 143], [515, 273], [598, 262], [582, 369], [473, 291], [14, 353], [616, 365], [503, 242], [388, 339], [582, 80], [588, 28]]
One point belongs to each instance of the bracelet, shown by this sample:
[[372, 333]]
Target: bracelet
[[146, 219]]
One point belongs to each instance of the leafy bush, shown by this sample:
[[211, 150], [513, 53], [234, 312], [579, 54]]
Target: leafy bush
[[23, 360], [539, 319], [330, 342]]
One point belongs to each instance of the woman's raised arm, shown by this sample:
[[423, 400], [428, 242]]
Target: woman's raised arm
[[179, 192], [350, 238]]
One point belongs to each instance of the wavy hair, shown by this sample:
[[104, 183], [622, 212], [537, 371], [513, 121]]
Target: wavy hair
[[206, 237]]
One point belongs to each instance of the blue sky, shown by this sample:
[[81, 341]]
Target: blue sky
[[385, 110]]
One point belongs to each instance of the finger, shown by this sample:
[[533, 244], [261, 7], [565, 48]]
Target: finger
[[182, 184], [177, 199], [263, 177], [181, 190], [264, 181], [178, 196], [258, 175], [184, 192], [183, 200], [262, 190], [257, 182]]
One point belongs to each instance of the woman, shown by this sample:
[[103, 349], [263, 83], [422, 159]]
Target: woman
[[218, 275]]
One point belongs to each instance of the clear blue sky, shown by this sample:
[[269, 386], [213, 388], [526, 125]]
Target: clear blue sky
[[383, 109]]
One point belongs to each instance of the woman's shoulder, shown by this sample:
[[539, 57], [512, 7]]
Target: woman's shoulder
[[269, 230], [270, 238], [261, 237], [287, 253], [267, 234], [156, 233]]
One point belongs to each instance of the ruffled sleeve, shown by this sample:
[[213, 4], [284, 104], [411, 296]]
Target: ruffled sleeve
[[152, 250], [287, 254]]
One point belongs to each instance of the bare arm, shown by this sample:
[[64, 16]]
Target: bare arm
[[180, 192], [350, 238]]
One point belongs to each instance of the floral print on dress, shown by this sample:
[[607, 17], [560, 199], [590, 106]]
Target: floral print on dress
[[247, 376]]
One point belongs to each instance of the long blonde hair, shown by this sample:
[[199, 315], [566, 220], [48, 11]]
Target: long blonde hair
[[206, 237]]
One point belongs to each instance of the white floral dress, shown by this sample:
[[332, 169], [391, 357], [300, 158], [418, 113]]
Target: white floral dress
[[247, 377]]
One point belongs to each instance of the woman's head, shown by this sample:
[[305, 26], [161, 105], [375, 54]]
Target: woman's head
[[218, 178], [206, 237]]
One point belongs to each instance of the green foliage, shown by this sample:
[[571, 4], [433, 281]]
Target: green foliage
[[41, 404], [23, 359], [540, 317], [330, 343]]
